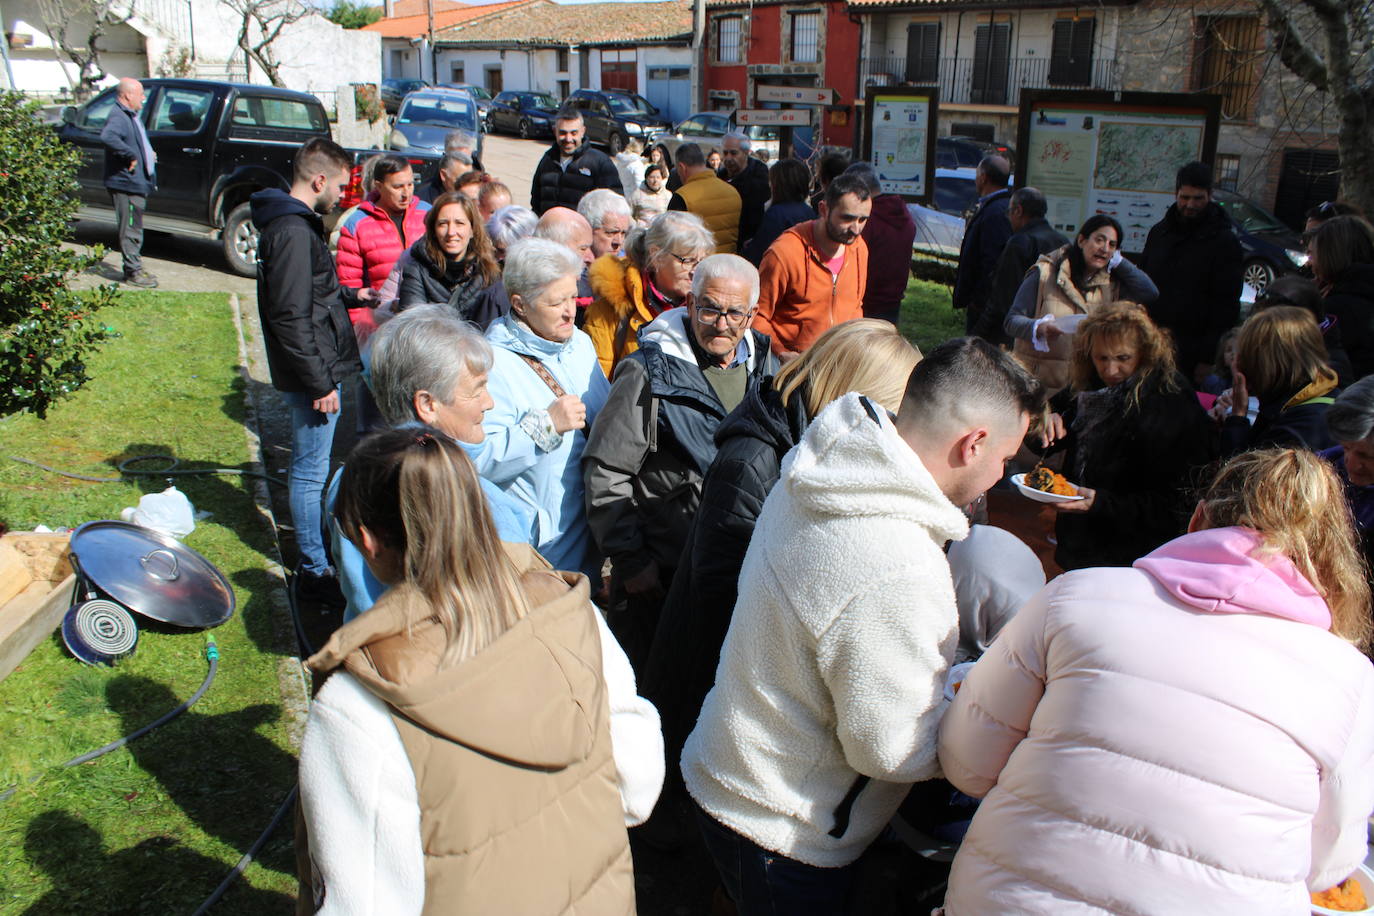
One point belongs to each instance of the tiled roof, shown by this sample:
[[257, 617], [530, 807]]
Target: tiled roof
[[415, 26], [418, 7], [546, 23]]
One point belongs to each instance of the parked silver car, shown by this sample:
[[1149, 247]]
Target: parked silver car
[[426, 117], [708, 129]]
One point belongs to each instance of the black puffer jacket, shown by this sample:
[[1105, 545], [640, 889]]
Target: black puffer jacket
[[751, 443], [304, 310], [460, 285], [558, 187], [1351, 300], [1198, 267], [1144, 464], [1298, 421]]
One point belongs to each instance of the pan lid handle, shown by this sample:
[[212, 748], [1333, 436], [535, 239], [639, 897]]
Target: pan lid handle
[[170, 564]]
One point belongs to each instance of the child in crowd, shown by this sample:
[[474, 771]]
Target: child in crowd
[[652, 197]]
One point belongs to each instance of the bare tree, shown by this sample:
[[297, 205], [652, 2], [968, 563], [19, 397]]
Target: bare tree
[[66, 20], [260, 24], [1329, 44]]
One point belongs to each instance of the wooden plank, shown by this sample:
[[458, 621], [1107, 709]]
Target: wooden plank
[[26, 620], [14, 572]]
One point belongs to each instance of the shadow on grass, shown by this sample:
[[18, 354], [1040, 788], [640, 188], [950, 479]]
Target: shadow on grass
[[223, 774], [153, 876]]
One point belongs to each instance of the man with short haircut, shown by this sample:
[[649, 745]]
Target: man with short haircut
[[1031, 236], [888, 235], [827, 700], [130, 176], [984, 238], [310, 345], [451, 167], [609, 216], [814, 276], [571, 167], [1195, 258], [655, 437], [749, 176], [715, 201]]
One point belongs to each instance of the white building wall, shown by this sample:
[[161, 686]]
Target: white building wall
[[316, 54], [37, 68]]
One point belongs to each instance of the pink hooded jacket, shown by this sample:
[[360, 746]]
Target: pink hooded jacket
[[1182, 737]]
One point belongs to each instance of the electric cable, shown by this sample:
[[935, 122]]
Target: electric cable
[[247, 859], [211, 654], [126, 470]]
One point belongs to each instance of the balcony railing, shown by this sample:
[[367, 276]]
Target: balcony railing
[[975, 81]]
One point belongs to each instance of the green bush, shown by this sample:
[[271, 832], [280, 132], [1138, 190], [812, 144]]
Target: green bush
[[47, 331]]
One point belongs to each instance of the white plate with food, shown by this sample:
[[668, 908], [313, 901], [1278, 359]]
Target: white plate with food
[[1044, 496], [1362, 877]]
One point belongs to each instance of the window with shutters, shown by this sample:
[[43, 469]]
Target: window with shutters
[[991, 56], [1228, 171], [560, 60], [923, 53], [805, 38], [1227, 62], [1071, 52], [728, 40]]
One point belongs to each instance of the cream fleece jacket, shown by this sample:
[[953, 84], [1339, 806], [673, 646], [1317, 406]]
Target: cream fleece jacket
[[834, 664]]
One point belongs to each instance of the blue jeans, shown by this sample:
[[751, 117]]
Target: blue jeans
[[766, 883], [312, 441]]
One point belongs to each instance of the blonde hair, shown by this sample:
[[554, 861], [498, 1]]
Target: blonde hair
[[866, 355], [417, 492], [1295, 502], [1126, 322], [1280, 351]]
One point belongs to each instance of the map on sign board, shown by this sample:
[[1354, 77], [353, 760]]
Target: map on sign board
[[1143, 157], [1095, 159]]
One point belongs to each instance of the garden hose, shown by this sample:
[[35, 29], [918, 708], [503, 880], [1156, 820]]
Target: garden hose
[[211, 654]]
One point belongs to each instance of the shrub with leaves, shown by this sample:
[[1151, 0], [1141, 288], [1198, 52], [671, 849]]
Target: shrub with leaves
[[47, 330]]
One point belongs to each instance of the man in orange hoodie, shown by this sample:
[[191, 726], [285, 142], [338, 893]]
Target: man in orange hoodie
[[813, 277]]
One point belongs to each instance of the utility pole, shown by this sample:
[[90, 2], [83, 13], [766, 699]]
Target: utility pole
[[698, 58], [433, 70]]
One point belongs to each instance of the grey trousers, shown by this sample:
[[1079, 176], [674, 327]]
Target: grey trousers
[[129, 217]]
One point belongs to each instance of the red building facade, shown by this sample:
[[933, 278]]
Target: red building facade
[[788, 43]]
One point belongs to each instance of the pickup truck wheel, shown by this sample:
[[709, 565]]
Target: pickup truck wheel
[[617, 143], [524, 128], [240, 239]]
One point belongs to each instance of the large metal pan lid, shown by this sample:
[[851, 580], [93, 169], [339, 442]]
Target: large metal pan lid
[[153, 574]]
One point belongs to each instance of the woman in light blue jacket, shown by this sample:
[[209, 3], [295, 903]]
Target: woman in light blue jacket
[[548, 387]]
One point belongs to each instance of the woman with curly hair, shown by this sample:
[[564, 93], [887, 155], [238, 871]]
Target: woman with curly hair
[[453, 263], [1133, 436]]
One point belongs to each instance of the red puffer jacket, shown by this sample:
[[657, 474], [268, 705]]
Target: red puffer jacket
[[369, 246]]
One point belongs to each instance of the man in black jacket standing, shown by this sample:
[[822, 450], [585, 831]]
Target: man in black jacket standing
[[1195, 258], [1031, 236], [311, 349], [130, 176], [571, 167], [984, 238]]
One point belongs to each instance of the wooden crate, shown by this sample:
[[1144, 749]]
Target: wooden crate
[[36, 589]]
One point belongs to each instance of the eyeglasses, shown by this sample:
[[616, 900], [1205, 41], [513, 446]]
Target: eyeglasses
[[710, 315], [689, 263]]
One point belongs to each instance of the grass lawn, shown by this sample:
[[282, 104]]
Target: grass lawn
[[155, 826], [928, 318]]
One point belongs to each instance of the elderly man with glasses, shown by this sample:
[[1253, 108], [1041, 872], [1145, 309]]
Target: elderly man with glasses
[[655, 436]]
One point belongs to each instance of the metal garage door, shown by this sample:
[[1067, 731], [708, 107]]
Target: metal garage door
[[669, 90]]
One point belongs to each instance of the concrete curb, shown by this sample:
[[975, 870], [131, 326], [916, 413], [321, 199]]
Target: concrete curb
[[291, 672]]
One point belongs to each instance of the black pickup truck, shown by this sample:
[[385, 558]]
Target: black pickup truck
[[216, 144]]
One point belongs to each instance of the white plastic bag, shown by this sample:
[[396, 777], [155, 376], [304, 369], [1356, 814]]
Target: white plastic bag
[[168, 512]]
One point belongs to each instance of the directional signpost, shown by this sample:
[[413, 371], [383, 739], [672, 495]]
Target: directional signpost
[[797, 95], [781, 117]]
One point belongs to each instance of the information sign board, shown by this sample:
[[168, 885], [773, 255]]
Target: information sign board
[[1116, 154], [899, 139], [783, 117]]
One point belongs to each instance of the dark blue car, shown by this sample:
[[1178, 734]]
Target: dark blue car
[[1271, 248], [527, 114]]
